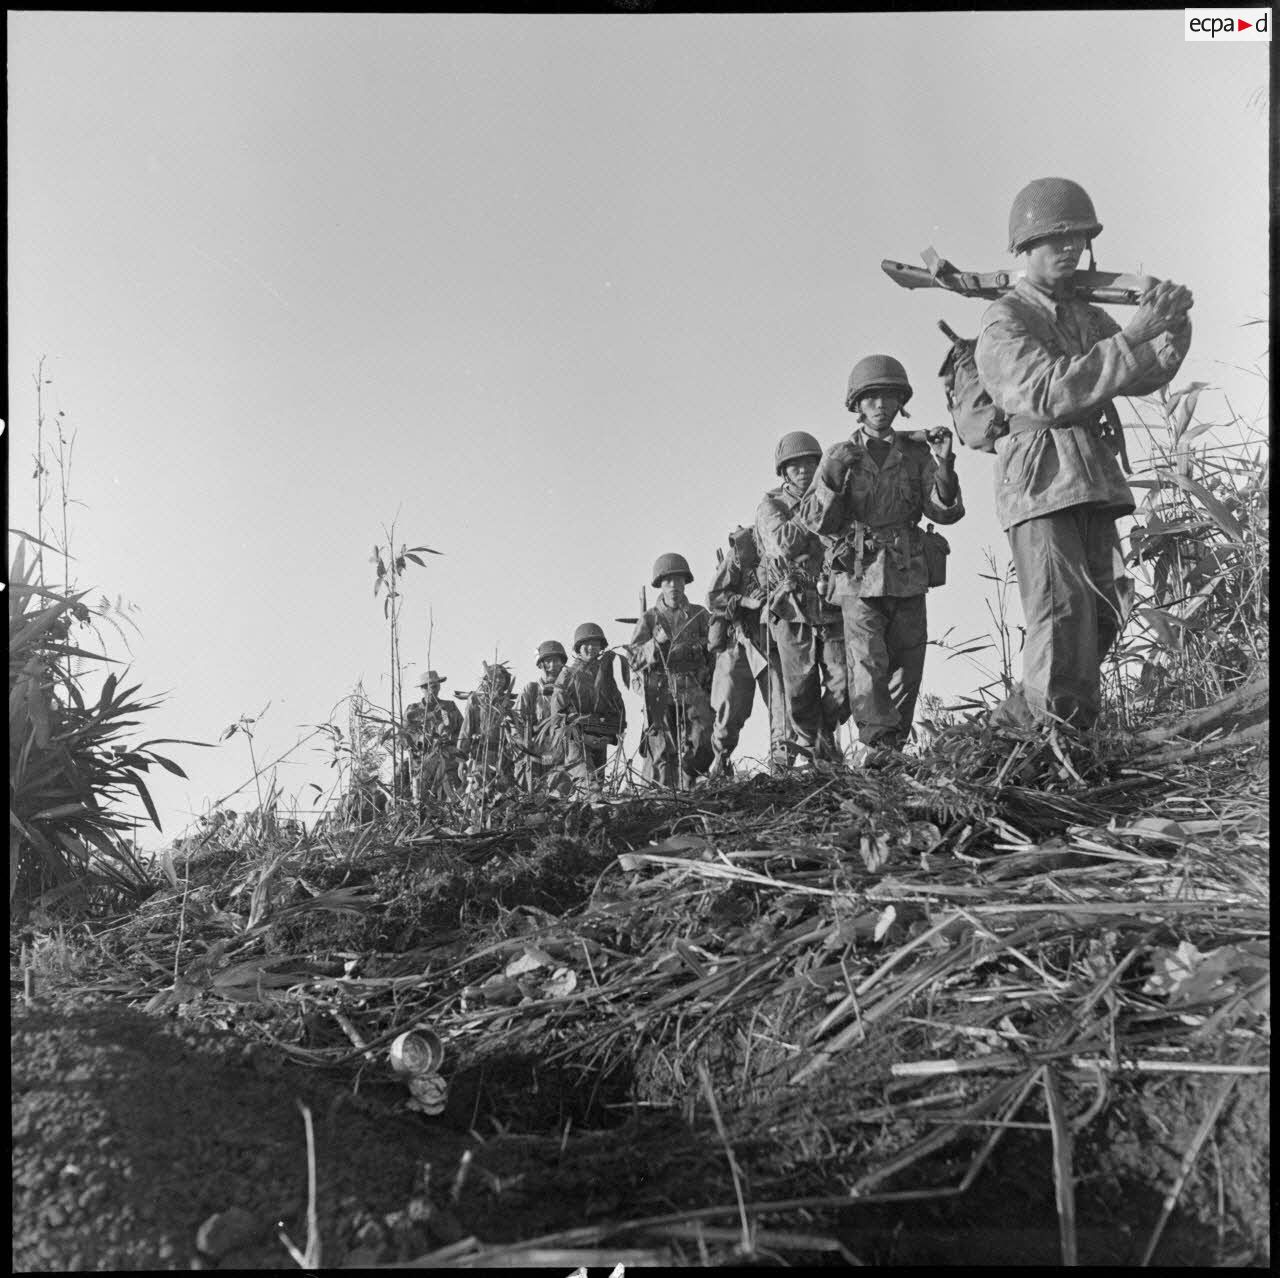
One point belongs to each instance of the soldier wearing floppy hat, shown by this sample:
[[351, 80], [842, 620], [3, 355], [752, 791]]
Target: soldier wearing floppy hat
[[431, 726]]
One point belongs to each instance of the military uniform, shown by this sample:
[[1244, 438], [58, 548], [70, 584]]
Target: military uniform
[[744, 655], [432, 726], [1051, 365], [805, 630], [486, 724], [675, 676], [870, 507], [587, 716], [542, 752]]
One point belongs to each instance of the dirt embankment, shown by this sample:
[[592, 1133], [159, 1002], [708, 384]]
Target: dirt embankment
[[131, 1131]]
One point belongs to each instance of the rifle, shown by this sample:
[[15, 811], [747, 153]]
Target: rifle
[[644, 607], [937, 272]]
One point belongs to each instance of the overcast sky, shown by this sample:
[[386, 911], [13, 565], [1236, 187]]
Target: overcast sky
[[545, 291]]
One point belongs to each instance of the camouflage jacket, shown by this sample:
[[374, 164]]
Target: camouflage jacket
[[870, 516], [587, 697], [793, 557], [684, 653], [485, 723], [432, 725], [1048, 363]]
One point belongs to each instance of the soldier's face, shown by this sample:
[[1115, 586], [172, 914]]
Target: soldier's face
[[431, 691], [878, 408], [673, 588], [799, 473], [590, 649], [552, 665], [1053, 259]]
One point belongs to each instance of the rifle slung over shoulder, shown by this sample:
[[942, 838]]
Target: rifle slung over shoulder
[[1092, 286]]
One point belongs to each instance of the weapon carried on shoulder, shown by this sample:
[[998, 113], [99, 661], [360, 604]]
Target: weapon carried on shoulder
[[937, 272]]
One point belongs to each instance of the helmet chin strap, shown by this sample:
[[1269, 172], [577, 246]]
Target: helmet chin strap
[[1088, 244]]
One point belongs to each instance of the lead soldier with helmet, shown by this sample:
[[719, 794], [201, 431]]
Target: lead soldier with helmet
[[805, 629], [533, 711], [587, 712], [1053, 363], [867, 498], [670, 656]]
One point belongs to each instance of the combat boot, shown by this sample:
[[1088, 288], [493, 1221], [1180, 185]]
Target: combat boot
[[721, 766]]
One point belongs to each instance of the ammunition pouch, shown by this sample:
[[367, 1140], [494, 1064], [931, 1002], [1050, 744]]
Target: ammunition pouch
[[936, 550]]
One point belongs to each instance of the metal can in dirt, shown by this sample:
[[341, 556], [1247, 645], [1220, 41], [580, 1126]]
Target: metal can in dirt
[[417, 1051]]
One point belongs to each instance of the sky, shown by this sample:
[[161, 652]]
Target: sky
[[542, 293]]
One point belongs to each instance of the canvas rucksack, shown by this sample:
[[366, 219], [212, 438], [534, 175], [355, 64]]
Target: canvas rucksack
[[743, 541], [978, 421]]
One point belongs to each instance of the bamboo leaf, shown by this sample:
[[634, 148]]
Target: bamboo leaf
[[1217, 511]]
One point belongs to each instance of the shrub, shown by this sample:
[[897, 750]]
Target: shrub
[[69, 769]]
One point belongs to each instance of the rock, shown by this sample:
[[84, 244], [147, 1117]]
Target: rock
[[226, 1230]]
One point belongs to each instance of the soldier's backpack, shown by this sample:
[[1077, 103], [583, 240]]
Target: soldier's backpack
[[743, 541], [746, 554], [978, 421]]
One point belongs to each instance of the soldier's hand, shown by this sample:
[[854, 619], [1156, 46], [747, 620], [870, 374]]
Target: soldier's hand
[[833, 469], [942, 445], [1161, 308], [660, 634], [752, 602]]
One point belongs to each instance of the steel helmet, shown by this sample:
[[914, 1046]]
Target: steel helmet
[[588, 630], [1050, 206], [873, 372], [799, 443], [551, 648], [665, 565]]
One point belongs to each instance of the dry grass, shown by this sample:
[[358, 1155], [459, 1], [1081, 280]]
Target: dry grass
[[868, 967]]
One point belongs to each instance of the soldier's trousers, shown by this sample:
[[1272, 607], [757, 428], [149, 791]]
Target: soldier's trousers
[[677, 737], [884, 640], [435, 778], [814, 674], [733, 694], [585, 757], [1067, 581]]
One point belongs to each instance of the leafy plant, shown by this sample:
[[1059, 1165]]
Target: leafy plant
[[388, 569], [1199, 550], [69, 766]]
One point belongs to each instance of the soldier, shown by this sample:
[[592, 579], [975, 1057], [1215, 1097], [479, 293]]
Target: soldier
[[587, 713], [744, 656], [432, 727], [806, 631], [868, 495], [671, 660], [486, 724], [1053, 363], [533, 713]]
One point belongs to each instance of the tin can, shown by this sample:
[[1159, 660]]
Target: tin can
[[418, 1051]]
